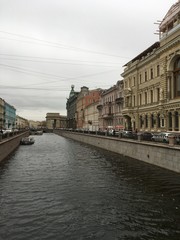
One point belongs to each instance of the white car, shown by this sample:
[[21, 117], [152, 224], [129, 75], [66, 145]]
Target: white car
[[7, 131], [161, 137]]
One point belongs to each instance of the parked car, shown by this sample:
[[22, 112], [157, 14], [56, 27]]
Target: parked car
[[110, 131], [15, 130], [127, 134], [161, 137], [5, 131], [177, 137], [147, 136]]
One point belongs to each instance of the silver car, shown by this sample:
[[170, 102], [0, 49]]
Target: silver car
[[161, 137]]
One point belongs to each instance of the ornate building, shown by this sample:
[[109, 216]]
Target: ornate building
[[91, 117], [71, 108], [85, 98], [106, 108], [55, 120], [152, 81], [119, 100], [110, 107]]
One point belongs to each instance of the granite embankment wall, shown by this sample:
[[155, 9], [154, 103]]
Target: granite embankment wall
[[162, 155], [9, 145]]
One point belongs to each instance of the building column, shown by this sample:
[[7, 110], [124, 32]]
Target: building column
[[155, 119], [133, 123], [167, 121], [149, 121]]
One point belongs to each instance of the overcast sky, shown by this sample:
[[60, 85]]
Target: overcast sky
[[48, 45]]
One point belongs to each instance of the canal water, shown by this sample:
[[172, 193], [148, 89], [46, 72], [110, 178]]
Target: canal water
[[62, 189]]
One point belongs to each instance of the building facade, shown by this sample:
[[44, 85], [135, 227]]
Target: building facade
[[91, 116], [9, 116], [21, 123], [2, 114], [55, 120], [110, 107], [152, 81], [85, 98], [71, 108], [119, 101]]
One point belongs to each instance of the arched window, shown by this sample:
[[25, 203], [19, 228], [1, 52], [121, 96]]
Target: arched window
[[170, 121], [152, 121], [176, 119], [158, 121], [146, 121], [177, 78], [141, 121]]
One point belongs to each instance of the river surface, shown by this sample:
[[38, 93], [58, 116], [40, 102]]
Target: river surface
[[62, 189]]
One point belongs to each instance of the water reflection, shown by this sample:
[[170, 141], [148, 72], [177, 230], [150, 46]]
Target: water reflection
[[62, 189]]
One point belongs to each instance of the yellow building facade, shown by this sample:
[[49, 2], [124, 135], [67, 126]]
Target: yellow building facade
[[21, 123], [152, 81]]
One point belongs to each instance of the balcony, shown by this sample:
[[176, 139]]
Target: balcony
[[108, 116], [119, 100], [108, 103], [99, 107]]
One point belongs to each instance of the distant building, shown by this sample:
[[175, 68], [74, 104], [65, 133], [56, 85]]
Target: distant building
[[119, 123], [91, 114], [85, 98], [71, 108], [55, 120], [107, 108], [9, 116], [34, 124], [21, 123], [2, 114]]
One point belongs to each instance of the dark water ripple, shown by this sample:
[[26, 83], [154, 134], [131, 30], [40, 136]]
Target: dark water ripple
[[61, 189]]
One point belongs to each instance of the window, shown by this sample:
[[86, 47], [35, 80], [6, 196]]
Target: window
[[140, 99], [158, 71], [141, 121], [177, 78], [176, 119], [162, 122], [152, 121], [145, 76], [151, 73], [146, 121], [140, 80], [134, 80], [151, 96], [158, 92], [145, 96], [170, 120], [158, 120]]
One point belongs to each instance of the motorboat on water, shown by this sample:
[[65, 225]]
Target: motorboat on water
[[27, 141]]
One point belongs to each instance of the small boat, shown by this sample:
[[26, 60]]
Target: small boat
[[38, 132], [27, 141]]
